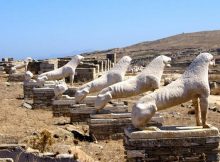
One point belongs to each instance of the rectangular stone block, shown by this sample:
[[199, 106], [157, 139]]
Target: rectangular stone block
[[172, 143], [42, 97], [28, 89], [84, 111], [111, 126], [62, 106]]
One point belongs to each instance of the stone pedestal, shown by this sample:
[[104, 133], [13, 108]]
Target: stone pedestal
[[172, 143], [28, 89], [62, 106], [111, 126], [81, 112], [42, 97]]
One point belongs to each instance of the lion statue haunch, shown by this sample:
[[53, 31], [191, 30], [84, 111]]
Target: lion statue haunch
[[147, 80], [62, 72], [114, 75], [192, 85], [28, 77], [24, 65]]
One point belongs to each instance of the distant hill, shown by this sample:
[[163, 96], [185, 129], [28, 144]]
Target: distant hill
[[199, 41], [206, 39]]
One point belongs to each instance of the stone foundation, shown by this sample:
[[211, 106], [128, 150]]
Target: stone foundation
[[42, 97], [61, 107], [81, 112], [46, 66], [111, 126], [16, 77], [172, 143], [28, 89], [85, 74]]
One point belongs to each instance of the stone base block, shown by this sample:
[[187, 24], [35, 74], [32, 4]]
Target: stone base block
[[81, 112], [62, 106], [28, 89], [42, 97], [172, 143], [111, 126]]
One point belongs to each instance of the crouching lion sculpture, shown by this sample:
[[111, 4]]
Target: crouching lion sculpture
[[116, 74], [147, 80], [192, 85], [24, 65], [62, 72]]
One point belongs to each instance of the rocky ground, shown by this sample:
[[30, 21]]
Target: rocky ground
[[25, 124]]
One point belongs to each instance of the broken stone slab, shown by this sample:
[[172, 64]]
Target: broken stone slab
[[64, 156], [172, 132], [27, 105], [19, 154]]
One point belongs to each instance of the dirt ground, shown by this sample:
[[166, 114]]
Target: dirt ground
[[23, 123]]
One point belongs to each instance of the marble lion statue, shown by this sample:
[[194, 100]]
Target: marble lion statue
[[147, 80], [28, 76], [24, 65], [114, 75], [59, 89], [62, 72], [192, 85]]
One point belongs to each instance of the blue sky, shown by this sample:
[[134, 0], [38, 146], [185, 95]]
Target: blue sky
[[56, 28]]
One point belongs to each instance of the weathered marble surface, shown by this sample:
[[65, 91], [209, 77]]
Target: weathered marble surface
[[148, 80], [62, 72], [172, 143], [192, 85], [114, 75]]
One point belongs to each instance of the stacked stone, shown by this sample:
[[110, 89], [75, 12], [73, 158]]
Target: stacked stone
[[62, 107], [46, 66], [63, 61], [2, 69], [188, 144], [82, 112], [111, 126], [42, 97], [16, 77], [28, 89], [34, 67], [85, 74], [7, 67]]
